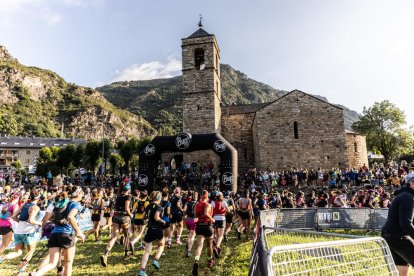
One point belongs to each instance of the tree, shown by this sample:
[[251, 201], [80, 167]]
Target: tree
[[45, 154], [79, 156], [382, 124], [65, 157], [116, 161], [17, 165], [92, 155], [126, 150]]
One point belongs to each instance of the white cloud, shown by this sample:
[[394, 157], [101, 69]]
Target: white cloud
[[149, 70], [16, 5], [51, 17]]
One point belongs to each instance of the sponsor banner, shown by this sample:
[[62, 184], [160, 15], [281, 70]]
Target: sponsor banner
[[183, 141]]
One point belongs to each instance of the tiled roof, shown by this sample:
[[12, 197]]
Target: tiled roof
[[199, 33], [37, 142]]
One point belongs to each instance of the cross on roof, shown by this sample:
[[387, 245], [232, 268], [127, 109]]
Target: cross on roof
[[200, 23]]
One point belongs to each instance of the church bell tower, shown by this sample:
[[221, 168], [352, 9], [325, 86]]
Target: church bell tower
[[201, 83]]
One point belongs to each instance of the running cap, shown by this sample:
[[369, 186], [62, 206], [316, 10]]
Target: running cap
[[127, 186]]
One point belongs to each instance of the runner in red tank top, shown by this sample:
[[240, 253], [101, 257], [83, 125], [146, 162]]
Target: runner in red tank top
[[204, 230], [219, 211]]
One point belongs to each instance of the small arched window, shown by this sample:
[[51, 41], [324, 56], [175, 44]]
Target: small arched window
[[355, 147], [295, 130], [198, 57]]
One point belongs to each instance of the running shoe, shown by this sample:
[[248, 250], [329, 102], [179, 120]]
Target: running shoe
[[188, 254], [219, 251], [169, 246], [195, 269], [155, 264], [142, 273], [215, 251], [210, 263], [179, 242], [59, 271], [104, 260]]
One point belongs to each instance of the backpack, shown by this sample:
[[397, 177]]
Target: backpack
[[141, 206], [60, 216], [5, 211]]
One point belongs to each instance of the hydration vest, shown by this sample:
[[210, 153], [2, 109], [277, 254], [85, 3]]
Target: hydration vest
[[24, 212]]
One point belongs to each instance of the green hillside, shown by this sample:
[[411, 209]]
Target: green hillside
[[38, 102]]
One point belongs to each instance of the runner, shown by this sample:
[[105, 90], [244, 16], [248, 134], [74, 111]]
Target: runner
[[204, 230], [229, 217], [24, 233], [47, 224], [108, 202], [190, 222], [244, 208], [154, 232], [121, 221], [9, 209], [220, 209], [65, 234], [97, 207], [176, 215], [138, 226], [166, 205]]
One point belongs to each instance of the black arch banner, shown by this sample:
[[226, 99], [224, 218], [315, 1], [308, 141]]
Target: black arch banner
[[150, 156]]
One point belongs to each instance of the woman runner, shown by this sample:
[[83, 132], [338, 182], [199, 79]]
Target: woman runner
[[189, 211], [120, 222], [97, 212], [9, 209], [154, 233], [24, 234], [204, 230], [64, 235]]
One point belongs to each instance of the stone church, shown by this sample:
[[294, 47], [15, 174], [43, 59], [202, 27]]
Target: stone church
[[296, 130]]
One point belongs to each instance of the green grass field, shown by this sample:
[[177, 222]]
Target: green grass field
[[234, 260]]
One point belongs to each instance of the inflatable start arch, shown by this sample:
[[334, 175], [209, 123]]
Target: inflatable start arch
[[150, 157]]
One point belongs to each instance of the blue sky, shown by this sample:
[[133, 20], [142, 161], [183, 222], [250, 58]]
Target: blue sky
[[354, 52]]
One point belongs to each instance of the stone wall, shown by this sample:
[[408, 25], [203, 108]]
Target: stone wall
[[201, 86], [320, 128], [357, 150], [237, 130]]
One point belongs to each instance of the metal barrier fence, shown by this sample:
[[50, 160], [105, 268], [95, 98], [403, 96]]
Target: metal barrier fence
[[325, 218], [342, 257], [363, 256]]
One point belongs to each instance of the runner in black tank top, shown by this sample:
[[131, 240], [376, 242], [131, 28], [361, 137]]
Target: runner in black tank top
[[120, 222]]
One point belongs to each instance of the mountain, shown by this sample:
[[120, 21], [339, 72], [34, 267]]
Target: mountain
[[159, 100], [38, 102]]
